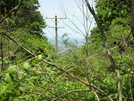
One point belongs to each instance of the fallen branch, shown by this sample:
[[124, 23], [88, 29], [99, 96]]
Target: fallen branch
[[69, 93], [95, 95], [77, 91], [73, 77], [35, 93]]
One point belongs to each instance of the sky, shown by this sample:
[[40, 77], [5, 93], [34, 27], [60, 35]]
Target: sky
[[73, 24]]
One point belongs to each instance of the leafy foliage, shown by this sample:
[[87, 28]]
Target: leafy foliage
[[70, 74]]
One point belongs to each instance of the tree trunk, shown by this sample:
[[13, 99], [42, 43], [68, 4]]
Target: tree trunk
[[108, 50]]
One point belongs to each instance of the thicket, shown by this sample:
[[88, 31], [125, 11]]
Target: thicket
[[31, 69]]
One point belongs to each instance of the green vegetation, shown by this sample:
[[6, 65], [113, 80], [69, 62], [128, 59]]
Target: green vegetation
[[31, 69]]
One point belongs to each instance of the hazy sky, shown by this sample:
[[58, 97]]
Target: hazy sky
[[69, 9]]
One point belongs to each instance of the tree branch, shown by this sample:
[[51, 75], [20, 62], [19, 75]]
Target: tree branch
[[15, 8], [103, 35], [18, 44], [77, 91], [69, 93], [108, 50], [73, 77], [35, 93]]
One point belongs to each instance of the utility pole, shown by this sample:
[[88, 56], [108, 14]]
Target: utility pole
[[56, 30], [56, 34]]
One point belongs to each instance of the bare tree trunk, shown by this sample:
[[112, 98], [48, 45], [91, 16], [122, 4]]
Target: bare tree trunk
[[108, 51]]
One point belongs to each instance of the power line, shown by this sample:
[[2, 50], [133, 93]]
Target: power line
[[56, 30]]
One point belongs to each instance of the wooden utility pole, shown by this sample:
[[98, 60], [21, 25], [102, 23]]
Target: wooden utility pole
[[56, 30]]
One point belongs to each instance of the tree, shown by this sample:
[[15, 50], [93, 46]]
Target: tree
[[6, 6], [21, 25], [28, 16], [105, 22], [3, 28], [80, 24]]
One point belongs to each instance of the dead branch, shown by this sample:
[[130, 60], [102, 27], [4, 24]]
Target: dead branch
[[73, 77], [95, 95], [69, 93], [35, 93], [76, 91], [18, 44]]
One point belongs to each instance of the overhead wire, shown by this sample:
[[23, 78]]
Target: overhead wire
[[43, 13], [52, 6], [49, 22], [58, 21]]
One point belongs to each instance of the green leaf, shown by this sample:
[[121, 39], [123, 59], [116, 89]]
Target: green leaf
[[22, 88], [26, 65], [11, 69], [108, 14], [114, 11], [64, 35], [40, 57], [8, 78], [2, 88]]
